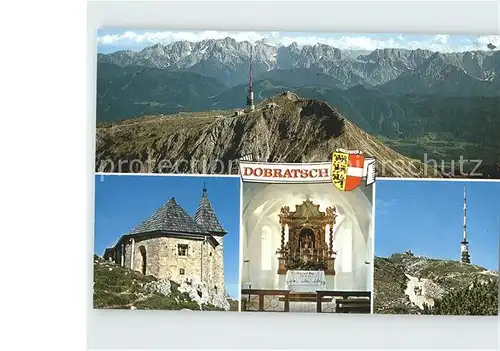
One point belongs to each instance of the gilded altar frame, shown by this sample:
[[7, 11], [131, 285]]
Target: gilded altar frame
[[307, 219]]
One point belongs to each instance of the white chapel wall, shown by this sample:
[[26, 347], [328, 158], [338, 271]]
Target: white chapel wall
[[262, 203]]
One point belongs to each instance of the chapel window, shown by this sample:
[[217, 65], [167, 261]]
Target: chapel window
[[266, 258], [347, 250], [182, 249]]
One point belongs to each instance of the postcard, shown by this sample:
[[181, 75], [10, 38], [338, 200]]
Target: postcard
[[297, 172]]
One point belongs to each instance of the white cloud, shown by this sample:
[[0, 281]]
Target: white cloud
[[443, 43], [166, 37], [383, 207], [487, 39], [441, 38]]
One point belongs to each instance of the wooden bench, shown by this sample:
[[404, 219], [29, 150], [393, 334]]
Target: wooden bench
[[306, 297], [353, 305], [347, 301], [280, 295]]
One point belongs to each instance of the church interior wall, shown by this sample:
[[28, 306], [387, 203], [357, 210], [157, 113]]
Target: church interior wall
[[353, 237], [261, 245]]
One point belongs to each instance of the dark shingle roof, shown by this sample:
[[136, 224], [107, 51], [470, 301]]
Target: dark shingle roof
[[206, 217], [169, 218]]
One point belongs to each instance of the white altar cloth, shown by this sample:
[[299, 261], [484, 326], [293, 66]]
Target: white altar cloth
[[305, 281]]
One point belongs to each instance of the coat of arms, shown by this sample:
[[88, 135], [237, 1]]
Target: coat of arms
[[349, 168]]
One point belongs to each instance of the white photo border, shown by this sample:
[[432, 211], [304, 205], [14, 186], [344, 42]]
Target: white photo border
[[175, 329]]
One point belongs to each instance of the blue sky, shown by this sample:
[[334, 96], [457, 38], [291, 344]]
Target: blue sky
[[110, 40], [123, 202], [427, 218]]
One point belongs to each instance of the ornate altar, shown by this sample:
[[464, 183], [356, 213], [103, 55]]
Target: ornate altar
[[307, 248]]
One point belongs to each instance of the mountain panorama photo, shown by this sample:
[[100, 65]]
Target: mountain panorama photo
[[196, 102], [297, 173]]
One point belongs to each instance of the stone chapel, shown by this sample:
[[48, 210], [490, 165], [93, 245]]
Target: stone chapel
[[173, 245]]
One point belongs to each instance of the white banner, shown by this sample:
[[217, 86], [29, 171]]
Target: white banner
[[268, 172]]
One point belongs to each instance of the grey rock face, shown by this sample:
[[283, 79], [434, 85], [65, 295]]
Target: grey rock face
[[296, 130], [203, 294], [197, 291], [162, 287]]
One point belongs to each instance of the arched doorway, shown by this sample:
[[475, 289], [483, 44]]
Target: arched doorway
[[142, 250]]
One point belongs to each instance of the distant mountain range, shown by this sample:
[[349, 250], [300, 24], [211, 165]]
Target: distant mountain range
[[228, 60], [444, 105]]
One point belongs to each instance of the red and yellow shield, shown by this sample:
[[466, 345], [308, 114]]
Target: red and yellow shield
[[347, 170]]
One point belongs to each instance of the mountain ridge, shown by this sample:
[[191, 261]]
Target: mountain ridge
[[283, 128], [228, 60]]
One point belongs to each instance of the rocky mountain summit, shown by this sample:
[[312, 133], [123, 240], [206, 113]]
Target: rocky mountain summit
[[117, 287], [283, 128], [410, 284]]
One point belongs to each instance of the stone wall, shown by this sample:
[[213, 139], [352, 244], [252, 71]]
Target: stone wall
[[206, 267], [212, 269], [218, 264], [203, 263], [162, 259]]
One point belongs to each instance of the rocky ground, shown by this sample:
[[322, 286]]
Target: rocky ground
[[291, 129], [117, 287], [410, 284]]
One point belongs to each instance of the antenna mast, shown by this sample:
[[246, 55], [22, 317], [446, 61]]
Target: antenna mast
[[250, 103], [464, 247]]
